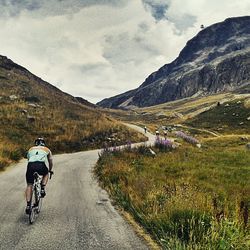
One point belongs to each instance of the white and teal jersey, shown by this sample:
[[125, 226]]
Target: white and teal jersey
[[38, 153]]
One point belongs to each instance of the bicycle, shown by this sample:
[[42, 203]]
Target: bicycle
[[36, 198]]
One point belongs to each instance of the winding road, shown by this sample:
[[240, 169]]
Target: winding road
[[76, 213]]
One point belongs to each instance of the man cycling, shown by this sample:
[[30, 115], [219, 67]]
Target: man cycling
[[38, 156]]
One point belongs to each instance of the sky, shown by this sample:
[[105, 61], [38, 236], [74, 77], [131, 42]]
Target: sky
[[100, 48]]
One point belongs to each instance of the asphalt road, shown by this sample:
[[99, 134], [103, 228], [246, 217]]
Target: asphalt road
[[76, 213]]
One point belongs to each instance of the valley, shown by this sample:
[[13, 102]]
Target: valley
[[31, 108], [193, 192], [187, 189]]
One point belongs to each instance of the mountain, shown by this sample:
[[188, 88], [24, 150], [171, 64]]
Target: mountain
[[15, 79], [216, 60], [85, 102], [31, 108]]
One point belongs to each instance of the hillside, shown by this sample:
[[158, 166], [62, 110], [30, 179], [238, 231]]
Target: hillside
[[31, 107], [230, 117], [216, 60], [189, 111]]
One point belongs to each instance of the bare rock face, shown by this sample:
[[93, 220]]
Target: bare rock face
[[216, 60]]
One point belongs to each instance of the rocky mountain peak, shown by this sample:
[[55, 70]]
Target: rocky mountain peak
[[215, 60]]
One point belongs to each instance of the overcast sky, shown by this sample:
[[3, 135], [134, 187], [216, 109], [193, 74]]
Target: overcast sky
[[99, 48]]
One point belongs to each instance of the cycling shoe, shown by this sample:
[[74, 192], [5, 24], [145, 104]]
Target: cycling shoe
[[43, 193], [28, 209]]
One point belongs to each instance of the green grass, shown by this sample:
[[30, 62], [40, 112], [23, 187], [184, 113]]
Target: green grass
[[188, 198], [196, 113], [230, 117]]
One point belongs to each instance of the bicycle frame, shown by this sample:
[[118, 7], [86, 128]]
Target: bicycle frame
[[36, 198], [36, 201]]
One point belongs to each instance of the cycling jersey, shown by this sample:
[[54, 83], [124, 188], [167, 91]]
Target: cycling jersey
[[39, 154]]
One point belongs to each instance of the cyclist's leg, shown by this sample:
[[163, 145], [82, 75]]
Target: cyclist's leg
[[43, 185], [30, 181], [45, 179], [43, 170], [28, 192]]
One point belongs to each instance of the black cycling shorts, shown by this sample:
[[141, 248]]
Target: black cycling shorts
[[33, 167]]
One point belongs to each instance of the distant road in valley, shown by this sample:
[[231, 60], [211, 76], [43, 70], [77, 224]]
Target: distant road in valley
[[76, 213]]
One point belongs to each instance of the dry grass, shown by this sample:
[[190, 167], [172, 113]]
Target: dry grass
[[247, 103], [188, 198], [39, 109], [181, 111], [140, 231]]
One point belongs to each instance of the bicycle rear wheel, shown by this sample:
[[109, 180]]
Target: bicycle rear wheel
[[38, 200], [39, 207], [32, 210]]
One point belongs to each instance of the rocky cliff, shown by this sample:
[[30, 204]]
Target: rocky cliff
[[216, 60]]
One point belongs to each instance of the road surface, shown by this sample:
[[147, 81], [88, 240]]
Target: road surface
[[76, 213]]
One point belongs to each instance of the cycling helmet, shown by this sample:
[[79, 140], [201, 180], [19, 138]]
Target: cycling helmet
[[40, 142]]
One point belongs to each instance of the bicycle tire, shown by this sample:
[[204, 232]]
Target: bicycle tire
[[32, 210], [39, 207], [38, 200]]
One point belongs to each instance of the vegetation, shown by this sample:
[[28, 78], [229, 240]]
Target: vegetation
[[195, 194], [229, 110], [30, 107], [227, 117], [185, 197]]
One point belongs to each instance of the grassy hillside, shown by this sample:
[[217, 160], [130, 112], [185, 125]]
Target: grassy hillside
[[186, 111], [30, 107], [188, 197], [230, 117]]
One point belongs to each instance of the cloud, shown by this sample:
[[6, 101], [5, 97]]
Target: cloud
[[157, 8], [160, 11], [91, 68], [97, 49], [51, 7], [184, 21], [205, 12]]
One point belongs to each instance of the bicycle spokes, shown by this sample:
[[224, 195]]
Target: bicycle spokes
[[36, 200]]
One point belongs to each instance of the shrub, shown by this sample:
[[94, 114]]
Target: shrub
[[32, 99], [164, 144], [187, 138]]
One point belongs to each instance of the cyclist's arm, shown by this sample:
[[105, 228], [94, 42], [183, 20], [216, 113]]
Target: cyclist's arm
[[50, 161]]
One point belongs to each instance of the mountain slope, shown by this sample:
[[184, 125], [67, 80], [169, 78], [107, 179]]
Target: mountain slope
[[216, 60], [31, 107]]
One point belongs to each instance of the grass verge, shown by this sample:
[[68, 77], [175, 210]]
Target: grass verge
[[186, 198]]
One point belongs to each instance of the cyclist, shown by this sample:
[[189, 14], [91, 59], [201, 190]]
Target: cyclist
[[165, 134], [38, 156]]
